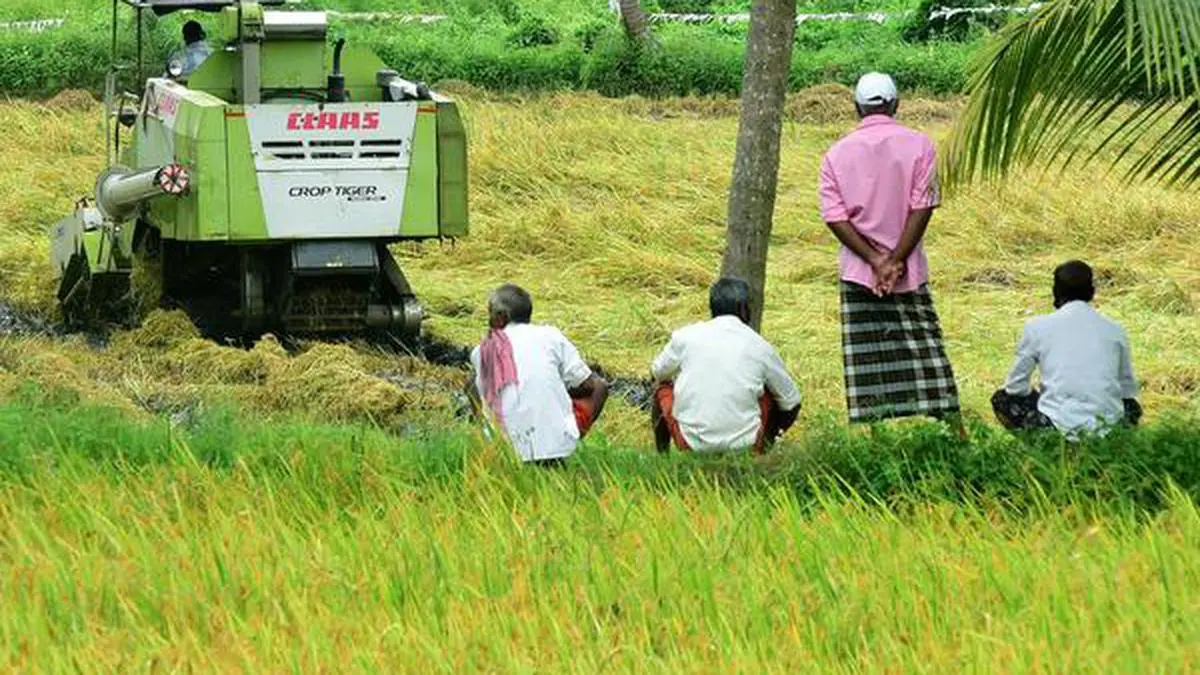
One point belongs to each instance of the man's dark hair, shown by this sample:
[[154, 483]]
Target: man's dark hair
[[729, 296], [1073, 281], [888, 108], [193, 32], [513, 301]]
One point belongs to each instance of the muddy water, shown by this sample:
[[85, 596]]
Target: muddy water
[[13, 322], [636, 392]]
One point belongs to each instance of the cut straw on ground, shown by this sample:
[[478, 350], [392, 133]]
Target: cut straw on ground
[[611, 212]]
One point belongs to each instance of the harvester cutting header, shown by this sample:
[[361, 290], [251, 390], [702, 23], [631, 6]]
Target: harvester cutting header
[[265, 185]]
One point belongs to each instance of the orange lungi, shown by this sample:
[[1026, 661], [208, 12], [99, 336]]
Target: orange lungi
[[665, 393], [585, 414]]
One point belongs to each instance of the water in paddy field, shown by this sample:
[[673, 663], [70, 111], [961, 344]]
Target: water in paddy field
[[13, 322], [637, 393]]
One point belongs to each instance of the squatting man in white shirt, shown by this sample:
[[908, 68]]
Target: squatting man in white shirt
[[720, 385], [530, 381], [1086, 367]]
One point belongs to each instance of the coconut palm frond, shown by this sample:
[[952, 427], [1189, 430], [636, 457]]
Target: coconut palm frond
[[1084, 78]]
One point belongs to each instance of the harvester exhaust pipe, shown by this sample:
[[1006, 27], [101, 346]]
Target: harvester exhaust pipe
[[119, 190], [337, 81]]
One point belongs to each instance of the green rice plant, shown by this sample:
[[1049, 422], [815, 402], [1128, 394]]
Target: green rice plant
[[246, 546]]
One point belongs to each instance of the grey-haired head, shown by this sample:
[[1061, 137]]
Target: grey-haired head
[[509, 304]]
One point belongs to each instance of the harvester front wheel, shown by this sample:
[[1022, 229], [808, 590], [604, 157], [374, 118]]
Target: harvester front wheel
[[90, 302], [203, 281]]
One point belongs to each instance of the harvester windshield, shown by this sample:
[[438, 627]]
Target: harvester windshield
[[165, 7]]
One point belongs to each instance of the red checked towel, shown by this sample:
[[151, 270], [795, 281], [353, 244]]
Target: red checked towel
[[497, 368]]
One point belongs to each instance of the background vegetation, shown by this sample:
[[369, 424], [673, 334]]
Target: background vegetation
[[509, 45]]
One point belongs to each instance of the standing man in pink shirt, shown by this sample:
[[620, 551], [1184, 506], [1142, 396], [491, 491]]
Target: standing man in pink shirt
[[878, 190]]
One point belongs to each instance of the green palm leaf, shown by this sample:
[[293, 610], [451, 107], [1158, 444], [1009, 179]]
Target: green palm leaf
[[1084, 78]]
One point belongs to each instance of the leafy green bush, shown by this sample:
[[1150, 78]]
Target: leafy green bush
[[510, 10], [47, 62], [817, 35], [922, 26], [591, 33], [533, 32], [681, 65], [685, 6], [488, 64]]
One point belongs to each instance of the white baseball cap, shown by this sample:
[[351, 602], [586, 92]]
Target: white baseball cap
[[875, 88]]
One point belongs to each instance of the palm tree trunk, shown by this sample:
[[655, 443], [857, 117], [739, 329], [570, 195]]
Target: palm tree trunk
[[637, 24], [756, 163]]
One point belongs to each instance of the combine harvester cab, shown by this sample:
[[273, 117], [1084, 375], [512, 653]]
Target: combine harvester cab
[[263, 189]]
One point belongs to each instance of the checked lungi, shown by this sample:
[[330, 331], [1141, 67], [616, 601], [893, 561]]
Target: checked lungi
[[895, 363]]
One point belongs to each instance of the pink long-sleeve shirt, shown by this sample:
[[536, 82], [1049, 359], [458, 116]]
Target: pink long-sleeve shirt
[[873, 178]]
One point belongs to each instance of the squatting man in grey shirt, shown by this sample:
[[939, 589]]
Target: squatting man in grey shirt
[[1086, 366]]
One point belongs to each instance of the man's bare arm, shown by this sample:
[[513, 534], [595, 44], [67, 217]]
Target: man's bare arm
[[914, 232], [878, 260], [783, 422], [895, 264], [596, 389], [854, 241]]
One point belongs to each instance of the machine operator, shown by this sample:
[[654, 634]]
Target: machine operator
[[195, 49]]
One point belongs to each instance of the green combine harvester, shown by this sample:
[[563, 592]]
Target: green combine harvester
[[262, 190]]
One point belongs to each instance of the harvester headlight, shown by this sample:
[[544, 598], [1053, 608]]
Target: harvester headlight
[[175, 68]]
